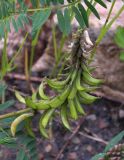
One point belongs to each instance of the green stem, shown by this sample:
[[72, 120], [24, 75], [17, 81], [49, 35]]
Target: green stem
[[104, 30], [33, 45], [109, 14], [4, 63], [12, 114], [54, 7], [62, 42], [60, 56], [22, 44], [55, 43]]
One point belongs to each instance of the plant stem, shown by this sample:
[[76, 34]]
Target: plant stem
[[110, 11], [55, 43], [104, 30], [22, 44], [33, 45], [12, 114], [62, 42], [54, 7], [26, 65], [4, 62]]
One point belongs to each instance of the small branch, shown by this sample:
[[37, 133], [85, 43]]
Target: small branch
[[110, 11], [104, 30], [22, 77], [54, 7], [69, 139], [12, 114], [95, 138]]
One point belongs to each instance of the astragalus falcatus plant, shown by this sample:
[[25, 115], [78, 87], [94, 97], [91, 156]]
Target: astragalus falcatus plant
[[73, 88]]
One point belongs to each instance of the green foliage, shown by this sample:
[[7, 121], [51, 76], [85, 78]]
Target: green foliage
[[24, 145], [6, 105], [64, 21], [18, 14], [109, 146], [39, 18], [114, 141], [119, 40], [2, 88]]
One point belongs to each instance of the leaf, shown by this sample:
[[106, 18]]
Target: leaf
[[7, 120], [20, 155], [11, 144], [25, 140], [98, 156], [64, 21], [29, 143], [61, 1], [39, 18], [5, 139], [122, 56], [14, 24], [26, 158], [28, 126], [61, 21], [92, 8], [78, 17], [6, 105], [101, 3], [84, 14], [67, 21], [34, 3], [114, 141], [2, 88], [119, 37]]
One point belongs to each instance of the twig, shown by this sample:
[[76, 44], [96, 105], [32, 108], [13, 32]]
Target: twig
[[12, 114], [22, 77], [69, 139], [98, 139]]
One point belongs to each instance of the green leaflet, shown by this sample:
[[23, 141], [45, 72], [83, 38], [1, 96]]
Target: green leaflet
[[98, 156], [67, 21], [20, 155], [25, 145], [119, 37], [64, 21], [34, 3], [2, 89], [92, 8], [119, 40], [14, 24], [28, 150], [39, 18], [114, 141], [61, 20], [84, 14], [6, 105], [122, 56], [78, 17], [101, 3], [61, 1]]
